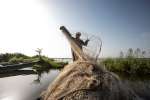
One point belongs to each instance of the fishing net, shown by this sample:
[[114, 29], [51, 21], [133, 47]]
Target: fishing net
[[85, 80], [93, 48]]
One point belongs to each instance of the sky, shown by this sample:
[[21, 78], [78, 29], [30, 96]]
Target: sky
[[29, 24]]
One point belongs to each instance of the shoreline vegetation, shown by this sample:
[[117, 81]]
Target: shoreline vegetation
[[133, 62], [130, 66], [40, 63]]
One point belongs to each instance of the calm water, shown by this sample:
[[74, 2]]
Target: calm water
[[25, 87], [139, 84], [140, 87], [29, 86]]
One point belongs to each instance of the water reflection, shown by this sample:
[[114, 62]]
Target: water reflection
[[23, 87], [133, 77], [17, 72], [27, 84], [7, 98], [140, 84], [40, 75]]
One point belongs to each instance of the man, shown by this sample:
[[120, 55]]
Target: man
[[80, 43], [76, 39]]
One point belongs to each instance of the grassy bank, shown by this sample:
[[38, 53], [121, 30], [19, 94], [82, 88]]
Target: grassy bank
[[14, 58], [44, 63], [140, 66]]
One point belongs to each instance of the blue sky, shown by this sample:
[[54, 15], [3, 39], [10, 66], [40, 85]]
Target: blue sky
[[121, 24], [31, 24]]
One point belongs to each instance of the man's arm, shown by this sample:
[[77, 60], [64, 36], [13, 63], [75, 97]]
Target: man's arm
[[85, 43]]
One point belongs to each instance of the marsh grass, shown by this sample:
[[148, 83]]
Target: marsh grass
[[13, 57], [139, 66], [43, 63]]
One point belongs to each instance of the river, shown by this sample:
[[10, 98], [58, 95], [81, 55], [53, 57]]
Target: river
[[29, 87], [25, 87]]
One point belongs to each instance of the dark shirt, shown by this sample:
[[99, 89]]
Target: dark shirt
[[80, 42]]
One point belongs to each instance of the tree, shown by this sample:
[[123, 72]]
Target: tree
[[130, 53], [149, 54], [39, 51], [121, 54], [143, 54], [137, 53]]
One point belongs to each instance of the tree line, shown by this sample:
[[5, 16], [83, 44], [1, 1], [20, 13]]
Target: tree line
[[137, 53]]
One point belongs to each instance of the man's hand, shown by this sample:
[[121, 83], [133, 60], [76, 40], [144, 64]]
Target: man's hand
[[87, 40]]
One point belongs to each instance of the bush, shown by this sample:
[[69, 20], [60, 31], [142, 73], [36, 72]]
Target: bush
[[128, 65], [45, 64], [8, 56], [16, 60]]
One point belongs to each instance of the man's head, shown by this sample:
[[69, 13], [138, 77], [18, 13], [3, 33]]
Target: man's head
[[78, 34]]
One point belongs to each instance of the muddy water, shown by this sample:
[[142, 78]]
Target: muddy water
[[139, 84], [141, 88], [28, 87], [25, 87]]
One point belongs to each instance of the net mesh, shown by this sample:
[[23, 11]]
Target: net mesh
[[84, 75], [89, 52]]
